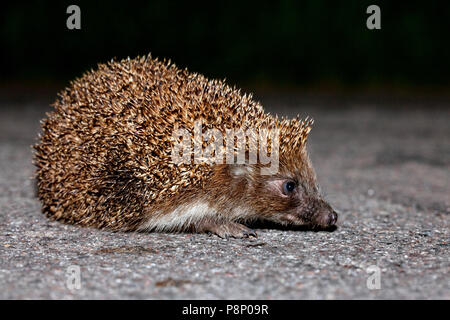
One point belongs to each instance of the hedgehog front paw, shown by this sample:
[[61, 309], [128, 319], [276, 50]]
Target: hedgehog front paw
[[233, 230]]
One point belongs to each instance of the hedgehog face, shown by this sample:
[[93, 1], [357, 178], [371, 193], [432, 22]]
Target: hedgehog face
[[291, 201], [292, 195]]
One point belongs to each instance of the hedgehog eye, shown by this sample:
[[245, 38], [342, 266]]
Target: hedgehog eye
[[289, 187]]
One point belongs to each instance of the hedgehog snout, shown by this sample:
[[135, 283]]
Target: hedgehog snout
[[332, 218], [326, 216]]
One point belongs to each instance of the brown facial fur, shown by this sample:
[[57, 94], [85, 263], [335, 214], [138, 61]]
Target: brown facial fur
[[264, 194]]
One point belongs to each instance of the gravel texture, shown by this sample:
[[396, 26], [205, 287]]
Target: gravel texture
[[384, 165]]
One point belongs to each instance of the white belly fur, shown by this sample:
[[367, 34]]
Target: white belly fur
[[189, 214], [184, 215]]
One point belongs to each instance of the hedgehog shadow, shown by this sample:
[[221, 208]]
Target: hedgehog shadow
[[275, 226]]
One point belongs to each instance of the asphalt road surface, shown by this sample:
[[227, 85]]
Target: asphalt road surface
[[383, 164]]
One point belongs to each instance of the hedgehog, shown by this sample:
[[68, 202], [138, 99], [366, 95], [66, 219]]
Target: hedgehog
[[107, 156]]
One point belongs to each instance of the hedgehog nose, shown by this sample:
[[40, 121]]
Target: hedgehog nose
[[332, 218]]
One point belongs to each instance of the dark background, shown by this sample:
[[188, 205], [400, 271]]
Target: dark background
[[269, 44]]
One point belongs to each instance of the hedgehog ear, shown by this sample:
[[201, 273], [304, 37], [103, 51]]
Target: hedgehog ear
[[240, 170], [275, 186]]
